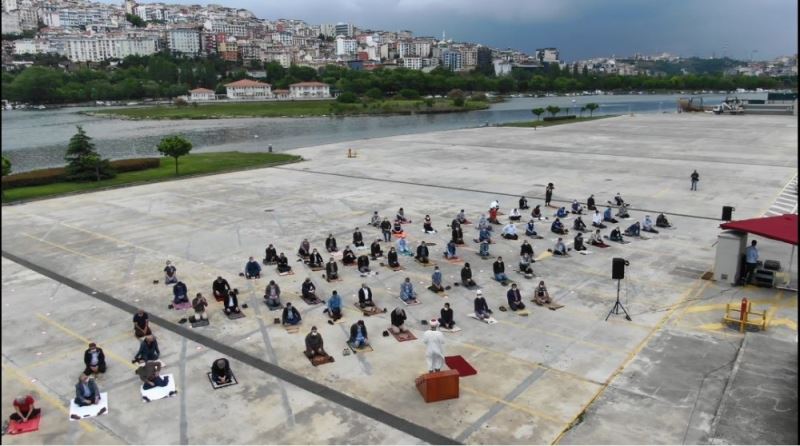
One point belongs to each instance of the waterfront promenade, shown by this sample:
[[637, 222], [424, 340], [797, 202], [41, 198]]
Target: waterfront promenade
[[73, 266]]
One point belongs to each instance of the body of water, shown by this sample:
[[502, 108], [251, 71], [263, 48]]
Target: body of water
[[34, 139]]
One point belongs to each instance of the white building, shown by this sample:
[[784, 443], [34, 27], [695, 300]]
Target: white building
[[99, 48], [31, 46], [412, 63], [184, 41], [10, 23], [501, 67], [247, 89], [202, 94], [345, 46], [344, 29], [302, 90]]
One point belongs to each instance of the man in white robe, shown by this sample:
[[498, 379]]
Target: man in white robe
[[434, 348]]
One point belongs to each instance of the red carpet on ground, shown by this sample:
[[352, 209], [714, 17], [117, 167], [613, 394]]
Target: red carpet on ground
[[460, 364]]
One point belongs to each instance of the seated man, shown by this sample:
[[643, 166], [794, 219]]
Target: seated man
[[607, 216], [450, 250], [536, 213], [305, 248], [499, 269], [616, 235], [422, 252], [365, 296], [579, 225], [363, 264], [232, 302], [483, 223], [526, 248], [331, 270], [221, 372], [495, 204], [523, 203], [634, 230], [662, 222], [270, 255], [141, 324], [457, 235], [514, 215], [148, 350], [407, 293], [401, 216], [24, 409], [315, 259], [461, 217], [272, 294], [150, 375], [578, 243], [446, 317], [618, 199], [647, 225], [597, 240], [252, 270], [358, 335], [220, 288], [482, 310], [514, 298], [375, 220], [170, 275], [375, 249], [94, 359], [290, 315], [622, 212], [427, 225], [358, 239], [283, 264], [180, 293], [466, 276], [330, 243], [484, 235], [530, 229], [335, 306], [483, 249], [559, 249], [314, 344], [391, 257], [397, 228], [541, 296], [398, 318], [348, 257], [436, 280], [576, 207], [510, 232], [590, 203], [308, 290], [525, 265], [199, 304], [86, 391], [561, 212], [597, 220], [493, 216], [558, 227]]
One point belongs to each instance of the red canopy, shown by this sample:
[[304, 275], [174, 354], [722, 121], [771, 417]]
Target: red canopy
[[780, 227]]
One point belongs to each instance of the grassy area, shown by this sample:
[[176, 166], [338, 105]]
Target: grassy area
[[275, 109], [192, 164], [552, 123]]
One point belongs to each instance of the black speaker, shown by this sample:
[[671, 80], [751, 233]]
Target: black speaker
[[727, 213], [618, 268]]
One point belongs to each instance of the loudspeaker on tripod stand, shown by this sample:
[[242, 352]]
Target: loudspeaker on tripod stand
[[618, 268], [727, 213]]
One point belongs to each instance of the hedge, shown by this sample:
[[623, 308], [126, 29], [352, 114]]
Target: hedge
[[559, 118], [55, 175]]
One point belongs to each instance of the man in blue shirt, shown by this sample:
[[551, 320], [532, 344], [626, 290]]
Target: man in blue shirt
[[750, 261], [335, 306]]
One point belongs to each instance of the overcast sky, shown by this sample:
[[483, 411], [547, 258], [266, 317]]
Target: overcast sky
[[578, 28]]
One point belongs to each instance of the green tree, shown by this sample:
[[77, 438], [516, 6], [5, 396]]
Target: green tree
[[374, 93], [592, 106], [135, 20], [408, 93], [538, 112], [553, 110], [37, 85], [347, 98], [6, 171], [175, 146], [83, 162]]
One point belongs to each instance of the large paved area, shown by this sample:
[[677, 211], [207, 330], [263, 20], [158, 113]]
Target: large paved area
[[74, 267]]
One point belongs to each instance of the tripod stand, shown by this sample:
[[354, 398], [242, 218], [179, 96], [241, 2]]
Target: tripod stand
[[618, 306]]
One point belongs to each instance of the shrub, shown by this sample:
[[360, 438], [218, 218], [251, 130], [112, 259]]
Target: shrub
[[374, 93], [429, 102], [347, 98], [455, 93], [559, 118], [180, 102], [408, 93], [479, 97], [458, 101], [58, 174]]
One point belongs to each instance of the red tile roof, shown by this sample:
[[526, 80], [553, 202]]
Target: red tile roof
[[247, 83], [309, 84], [201, 90]]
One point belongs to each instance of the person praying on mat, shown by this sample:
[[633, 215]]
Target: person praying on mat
[[427, 225], [24, 409], [461, 217], [272, 294], [331, 270], [618, 199], [358, 335], [290, 315], [622, 212], [514, 215], [365, 296], [559, 249], [590, 203], [422, 252], [141, 324], [482, 310], [493, 216], [434, 347], [634, 230], [180, 293], [483, 249], [283, 264], [548, 194], [270, 255], [86, 391], [436, 280], [608, 216], [483, 223], [398, 318], [375, 220], [150, 374], [391, 258], [407, 293], [576, 207], [148, 350], [348, 257], [221, 372], [232, 303], [401, 216], [170, 274], [597, 240], [536, 213], [510, 232], [523, 203], [578, 224], [525, 265], [540, 295], [335, 306], [375, 249], [616, 235], [252, 270], [484, 236], [466, 276], [499, 269], [446, 317], [305, 248], [308, 290], [530, 229], [662, 222], [514, 298], [526, 248], [561, 212], [330, 243], [457, 235], [558, 227], [578, 243], [647, 225], [450, 250], [94, 359], [315, 259], [386, 230], [363, 264], [314, 344], [221, 287], [597, 219], [358, 239], [199, 304]]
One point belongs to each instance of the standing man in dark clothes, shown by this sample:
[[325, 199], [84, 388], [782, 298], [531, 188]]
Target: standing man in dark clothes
[[695, 178], [548, 194]]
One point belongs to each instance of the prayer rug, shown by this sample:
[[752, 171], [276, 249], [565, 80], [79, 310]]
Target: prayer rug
[[430, 263], [218, 298], [622, 242], [490, 320], [370, 311], [364, 349], [341, 320], [317, 268], [292, 329], [455, 260], [584, 252], [200, 323], [455, 329], [398, 268], [21, 427], [233, 316], [601, 246], [157, 393], [314, 301], [182, 306], [288, 273], [264, 262], [332, 280], [461, 365], [410, 302], [402, 337], [271, 308], [318, 360], [554, 306], [215, 386], [77, 412], [434, 290], [523, 312]]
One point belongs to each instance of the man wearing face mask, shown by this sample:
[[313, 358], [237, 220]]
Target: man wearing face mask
[[314, 344]]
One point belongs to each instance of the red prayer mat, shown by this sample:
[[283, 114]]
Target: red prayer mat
[[461, 365], [407, 336], [16, 427]]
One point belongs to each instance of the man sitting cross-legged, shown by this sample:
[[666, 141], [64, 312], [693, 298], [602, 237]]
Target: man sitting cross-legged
[[358, 335], [221, 288], [358, 239], [308, 290], [597, 240], [363, 264], [221, 372], [232, 302], [375, 249], [330, 243], [510, 232], [514, 215], [391, 258], [315, 259], [576, 207], [578, 224], [314, 344], [530, 229], [305, 249], [335, 306], [499, 269], [398, 318], [647, 225], [558, 227], [634, 230], [541, 296], [597, 220], [407, 293], [422, 252], [283, 264], [331, 270], [436, 280], [616, 235], [482, 310], [514, 298], [252, 270], [446, 317], [365, 297], [270, 255], [290, 315], [662, 222], [525, 265], [348, 257], [272, 294], [560, 249], [578, 243], [466, 276], [607, 216], [86, 391]]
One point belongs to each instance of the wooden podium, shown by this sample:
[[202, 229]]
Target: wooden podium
[[438, 386]]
